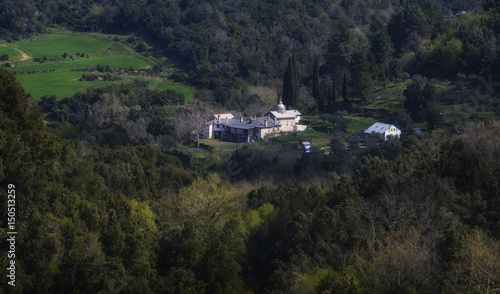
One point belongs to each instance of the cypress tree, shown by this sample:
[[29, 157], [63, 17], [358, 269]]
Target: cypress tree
[[344, 89], [383, 49], [290, 83], [316, 88], [361, 80], [295, 80], [332, 97], [324, 93], [340, 47]]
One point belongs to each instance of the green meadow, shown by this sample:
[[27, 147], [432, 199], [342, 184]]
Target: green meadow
[[57, 75], [359, 123], [160, 85], [58, 44], [13, 53], [114, 61], [51, 84]]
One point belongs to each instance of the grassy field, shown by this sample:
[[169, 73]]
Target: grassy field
[[56, 75], [115, 61], [58, 44], [13, 53], [60, 83], [161, 85], [359, 123]]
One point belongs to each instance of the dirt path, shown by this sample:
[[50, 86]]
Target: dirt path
[[24, 56]]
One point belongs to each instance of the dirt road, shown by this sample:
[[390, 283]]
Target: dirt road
[[24, 56]]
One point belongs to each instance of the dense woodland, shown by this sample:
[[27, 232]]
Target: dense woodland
[[224, 46], [109, 201]]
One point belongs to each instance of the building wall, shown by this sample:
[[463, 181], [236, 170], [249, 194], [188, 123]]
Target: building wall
[[208, 132], [393, 131], [262, 133], [287, 125]]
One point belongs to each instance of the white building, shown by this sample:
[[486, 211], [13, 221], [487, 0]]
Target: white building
[[384, 130], [247, 129], [286, 118]]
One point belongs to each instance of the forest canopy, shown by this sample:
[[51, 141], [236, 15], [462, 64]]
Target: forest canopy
[[110, 196], [225, 46]]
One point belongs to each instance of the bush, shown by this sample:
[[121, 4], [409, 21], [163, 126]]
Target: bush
[[4, 57]]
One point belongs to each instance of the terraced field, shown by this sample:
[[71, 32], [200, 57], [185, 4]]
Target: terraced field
[[12, 52], [52, 64]]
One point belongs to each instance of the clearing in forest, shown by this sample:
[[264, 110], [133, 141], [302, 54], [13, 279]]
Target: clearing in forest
[[53, 64]]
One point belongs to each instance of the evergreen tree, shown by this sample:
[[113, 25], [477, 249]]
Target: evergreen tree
[[324, 94], [296, 78], [339, 52], [382, 49], [332, 97], [490, 5], [290, 83], [344, 89], [316, 88], [417, 99], [361, 80]]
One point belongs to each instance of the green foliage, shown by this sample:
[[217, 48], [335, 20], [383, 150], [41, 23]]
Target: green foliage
[[466, 46], [361, 80], [416, 19], [47, 73], [58, 44], [340, 48], [254, 218], [290, 83], [382, 49], [17, 107], [115, 210], [325, 94], [345, 92], [207, 202], [418, 99], [316, 86], [10, 52], [398, 262]]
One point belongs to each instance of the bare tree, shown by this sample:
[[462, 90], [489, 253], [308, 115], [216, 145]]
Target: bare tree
[[399, 261], [477, 265], [191, 121]]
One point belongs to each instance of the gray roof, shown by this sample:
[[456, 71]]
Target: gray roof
[[288, 114], [378, 128], [248, 123]]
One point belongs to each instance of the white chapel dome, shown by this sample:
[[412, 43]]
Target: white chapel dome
[[280, 108]]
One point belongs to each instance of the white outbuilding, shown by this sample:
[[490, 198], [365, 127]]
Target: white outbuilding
[[385, 130]]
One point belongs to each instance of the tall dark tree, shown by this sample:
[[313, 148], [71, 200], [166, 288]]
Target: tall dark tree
[[339, 52], [344, 89], [316, 82], [332, 97], [361, 80], [290, 83], [296, 76], [417, 99], [414, 100], [492, 9], [382, 49], [491, 5], [424, 20], [324, 94]]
